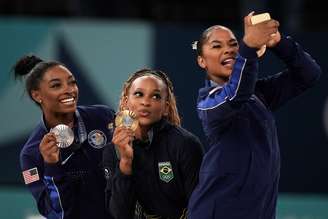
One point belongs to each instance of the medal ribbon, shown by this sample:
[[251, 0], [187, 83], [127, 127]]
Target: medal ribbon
[[82, 132]]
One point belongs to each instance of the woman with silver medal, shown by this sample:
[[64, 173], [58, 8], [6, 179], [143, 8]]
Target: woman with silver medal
[[62, 159]]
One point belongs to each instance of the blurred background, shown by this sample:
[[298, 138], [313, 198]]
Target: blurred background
[[102, 42]]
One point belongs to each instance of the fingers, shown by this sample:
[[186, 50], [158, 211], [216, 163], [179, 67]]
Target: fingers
[[48, 148], [259, 34], [247, 19], [48, 142], [122, 136], [251, 14], [271, 26]]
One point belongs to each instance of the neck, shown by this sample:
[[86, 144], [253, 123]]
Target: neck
[[59, 118], [142, 132], [219, 80]]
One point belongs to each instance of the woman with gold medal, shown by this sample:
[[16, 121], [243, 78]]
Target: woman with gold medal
[[158, 160]]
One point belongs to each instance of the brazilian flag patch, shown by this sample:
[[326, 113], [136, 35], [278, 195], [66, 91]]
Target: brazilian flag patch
[[165, 171]]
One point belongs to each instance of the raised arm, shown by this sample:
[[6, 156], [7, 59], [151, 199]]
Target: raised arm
[[123, 198], [222, 101], [301, 73]]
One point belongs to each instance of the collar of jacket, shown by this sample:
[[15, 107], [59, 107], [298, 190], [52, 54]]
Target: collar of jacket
[[157, 128], [204, 91]]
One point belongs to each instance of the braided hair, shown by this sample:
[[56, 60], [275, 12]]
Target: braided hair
[[173, 115]]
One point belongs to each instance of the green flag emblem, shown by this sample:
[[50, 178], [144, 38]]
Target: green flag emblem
[[165, 171]]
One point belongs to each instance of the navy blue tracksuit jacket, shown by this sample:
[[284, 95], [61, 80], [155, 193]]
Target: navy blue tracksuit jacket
[[240, 172], [75, 186]]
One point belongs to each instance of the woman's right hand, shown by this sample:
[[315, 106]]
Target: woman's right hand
[[48, 148], [122, 138], [257, 35]]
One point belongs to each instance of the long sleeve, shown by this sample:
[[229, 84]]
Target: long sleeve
[[52, 192], [220, 102], [190, 159], [110, 164], [123, 199], [301, 73], [120, 195]]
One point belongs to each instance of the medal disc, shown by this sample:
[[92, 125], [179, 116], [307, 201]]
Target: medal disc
[[64, 135], [126, 118]]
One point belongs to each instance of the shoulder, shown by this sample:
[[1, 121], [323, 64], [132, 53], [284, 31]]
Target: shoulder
[[31, 147], [183, 138], [184, 145], [182, 132]]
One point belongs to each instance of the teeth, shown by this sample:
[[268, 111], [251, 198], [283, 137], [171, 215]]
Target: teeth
[[227, 61], [67, 100]]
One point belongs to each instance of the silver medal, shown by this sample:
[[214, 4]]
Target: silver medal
[[64, 135]]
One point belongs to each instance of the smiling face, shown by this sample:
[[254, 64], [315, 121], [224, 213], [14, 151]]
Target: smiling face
[[58, 92], [219, 51], [147, 98]]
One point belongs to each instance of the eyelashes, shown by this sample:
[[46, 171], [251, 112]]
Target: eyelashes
[[138, 94], [155, 96], [219, 46]]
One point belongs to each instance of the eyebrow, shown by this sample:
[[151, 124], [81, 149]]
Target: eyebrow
[[218, 41], [54, 80], [58, 80], [142, 89]]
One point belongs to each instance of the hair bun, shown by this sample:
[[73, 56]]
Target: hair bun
[[25, 64]]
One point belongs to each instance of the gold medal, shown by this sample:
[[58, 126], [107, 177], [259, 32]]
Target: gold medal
[[126, 118], [64, 135]]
